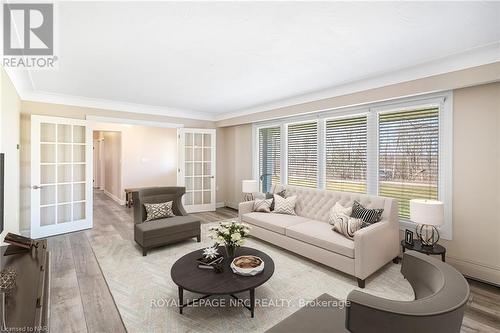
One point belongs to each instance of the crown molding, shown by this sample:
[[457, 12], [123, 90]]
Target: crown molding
[[45, 97], [483, 55]]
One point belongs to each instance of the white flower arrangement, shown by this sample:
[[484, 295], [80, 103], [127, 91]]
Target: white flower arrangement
[[231, 234]]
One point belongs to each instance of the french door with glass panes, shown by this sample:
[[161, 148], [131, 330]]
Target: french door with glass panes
[[61, 176], [196, 168]]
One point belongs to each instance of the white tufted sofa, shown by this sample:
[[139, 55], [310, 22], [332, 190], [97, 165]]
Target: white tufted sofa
[[310, 235]]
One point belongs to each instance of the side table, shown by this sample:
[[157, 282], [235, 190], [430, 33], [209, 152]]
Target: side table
[[429, 250]]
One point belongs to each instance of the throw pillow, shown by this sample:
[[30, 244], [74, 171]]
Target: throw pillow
[[346, 225], [262, 205], [156, 211], [369, 216], [284, 205], [281, 193], [338, 209]]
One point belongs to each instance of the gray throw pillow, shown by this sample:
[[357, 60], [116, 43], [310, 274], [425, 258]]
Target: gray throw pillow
[[158, 210], [262, 205]]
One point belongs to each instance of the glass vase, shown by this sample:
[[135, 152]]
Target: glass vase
[[230, 252]]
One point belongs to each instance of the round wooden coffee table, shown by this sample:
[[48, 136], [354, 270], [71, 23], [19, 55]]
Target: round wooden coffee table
[[187, 276]]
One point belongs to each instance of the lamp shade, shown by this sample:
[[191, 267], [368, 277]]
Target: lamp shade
[[430, 212], [249, 186]]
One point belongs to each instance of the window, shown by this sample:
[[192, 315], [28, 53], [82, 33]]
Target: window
[[399, 148], [303, 154], [346, 154], [408, 156], [269, 157]]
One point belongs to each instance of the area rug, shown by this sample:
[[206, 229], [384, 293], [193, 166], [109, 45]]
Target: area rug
[[146, 296]]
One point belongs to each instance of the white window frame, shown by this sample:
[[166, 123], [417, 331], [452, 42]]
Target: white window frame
[[442, 100]]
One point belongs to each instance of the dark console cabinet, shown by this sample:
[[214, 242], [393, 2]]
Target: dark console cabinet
[[27, 305]]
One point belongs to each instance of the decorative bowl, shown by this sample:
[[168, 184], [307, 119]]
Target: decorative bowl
[[247, 265]]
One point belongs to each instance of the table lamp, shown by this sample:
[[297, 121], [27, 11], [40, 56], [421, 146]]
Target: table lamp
[[249, 187], [427, 214]]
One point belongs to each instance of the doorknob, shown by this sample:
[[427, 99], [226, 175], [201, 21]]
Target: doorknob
[[212, 177], [36, 187]]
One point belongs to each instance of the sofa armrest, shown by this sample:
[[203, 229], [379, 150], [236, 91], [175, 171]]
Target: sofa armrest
[[375, 246], [244, 207]]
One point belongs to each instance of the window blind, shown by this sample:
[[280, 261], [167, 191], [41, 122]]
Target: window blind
[[346, 144], [269, 157], [409, 156], [303, 154]]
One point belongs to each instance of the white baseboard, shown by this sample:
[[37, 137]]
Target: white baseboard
[[115, 198], [475, 271], [220, 204], [233, 205]]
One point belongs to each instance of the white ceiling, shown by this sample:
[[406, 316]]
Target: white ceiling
[[215, 60]]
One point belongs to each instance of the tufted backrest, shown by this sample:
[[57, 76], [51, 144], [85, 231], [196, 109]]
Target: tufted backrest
[[316, 204]]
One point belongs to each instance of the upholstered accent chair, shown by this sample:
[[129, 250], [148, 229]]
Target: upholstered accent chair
[[162, 231], [441, 294]]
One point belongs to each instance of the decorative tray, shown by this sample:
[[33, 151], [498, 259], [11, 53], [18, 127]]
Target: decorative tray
[[247, 265]]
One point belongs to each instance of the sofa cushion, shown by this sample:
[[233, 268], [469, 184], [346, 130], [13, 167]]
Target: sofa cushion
[[171, 225], [320, 234], [273, 222]]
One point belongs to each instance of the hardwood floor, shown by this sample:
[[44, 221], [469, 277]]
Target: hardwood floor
[[81, 301]]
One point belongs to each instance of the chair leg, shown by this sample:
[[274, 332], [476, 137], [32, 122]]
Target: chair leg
[[198, 238], [395, 260], [361, 283], [144, 251]]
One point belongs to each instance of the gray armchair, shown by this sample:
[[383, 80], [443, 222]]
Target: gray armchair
[[441, 294], [162, 231]]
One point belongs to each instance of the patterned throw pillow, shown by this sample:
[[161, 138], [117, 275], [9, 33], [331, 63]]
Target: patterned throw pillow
[[158, 210], [262, 205], [281, 193], [284, 205], [346, 225], [369, 216], [338, 209]]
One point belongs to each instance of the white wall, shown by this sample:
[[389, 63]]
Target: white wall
[[148, 156], [9, 139]]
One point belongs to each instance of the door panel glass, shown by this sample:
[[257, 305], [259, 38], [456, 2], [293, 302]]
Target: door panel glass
[[48, 153], [78, 172], [197, 200], [78, 134], [207, 140], [207, 181], [198, 170], [78, 192], [198, 139], [188, 198], [207, 168], [189, 184], [207, 197], [189, 169], [64, 213], [47, 174], [64, 173], [207, 154], [63, 133], [189, 154], [47, 132], [78, 153], [189, 139], [198, 154], [48, 195], [63, 153], [79, 211], [64, 193], [48, 215]]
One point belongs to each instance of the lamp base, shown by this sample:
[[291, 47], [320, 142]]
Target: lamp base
[[428, 234], [249, 197]]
